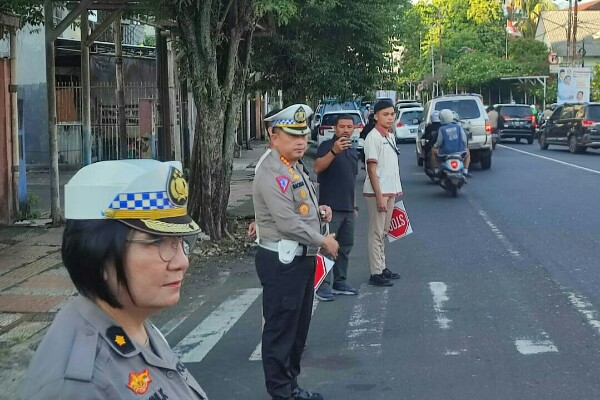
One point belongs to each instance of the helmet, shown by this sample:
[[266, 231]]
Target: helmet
[[435, 116], [446, 116]]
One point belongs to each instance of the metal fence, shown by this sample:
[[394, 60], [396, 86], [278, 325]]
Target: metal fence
[[141, 121]]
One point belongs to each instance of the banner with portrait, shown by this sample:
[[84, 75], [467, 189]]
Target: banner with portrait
[[574, 85]]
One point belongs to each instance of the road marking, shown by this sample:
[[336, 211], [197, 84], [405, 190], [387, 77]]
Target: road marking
[[585, 307], [498, 233], [439, 290], [196, 345], [257, 353], [528, 346], [553, 160], [174, 323], [8, 318], [365, 329]]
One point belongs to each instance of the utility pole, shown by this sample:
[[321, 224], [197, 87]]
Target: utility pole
[[122, 124], [569, 29], [574, 49]]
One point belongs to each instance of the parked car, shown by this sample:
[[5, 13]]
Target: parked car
[[407, 123], [326, 130], [473, 119], [573, 125], [516, 121], [407, 103], [327, 107]]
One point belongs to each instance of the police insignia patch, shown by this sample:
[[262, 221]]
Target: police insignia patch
[[177, 188], [303, 193], [300, 115], [283, 182], [285, 161], [296, 177], [303, 210], [119, 340], [139, 381]]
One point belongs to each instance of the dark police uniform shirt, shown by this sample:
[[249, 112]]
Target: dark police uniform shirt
[[85, 355], [337, 182]]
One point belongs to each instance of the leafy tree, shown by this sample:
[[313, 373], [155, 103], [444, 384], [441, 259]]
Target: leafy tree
[[595, 95], [528, 11], [329, 48]]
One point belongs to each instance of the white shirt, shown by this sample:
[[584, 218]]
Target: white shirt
[[380, 149]]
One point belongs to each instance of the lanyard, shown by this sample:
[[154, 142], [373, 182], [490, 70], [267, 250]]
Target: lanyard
[[387, 138]]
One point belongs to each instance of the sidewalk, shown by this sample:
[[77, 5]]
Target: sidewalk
[[33, 286]]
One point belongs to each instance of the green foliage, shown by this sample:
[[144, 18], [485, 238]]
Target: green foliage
[[329, 48], [31, 209], [595, 94], [472, 43], [527, 13]]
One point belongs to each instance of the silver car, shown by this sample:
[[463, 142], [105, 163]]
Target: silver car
[[473, 119]]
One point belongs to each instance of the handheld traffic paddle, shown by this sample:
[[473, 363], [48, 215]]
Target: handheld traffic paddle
[[324, 265], [400, 225]]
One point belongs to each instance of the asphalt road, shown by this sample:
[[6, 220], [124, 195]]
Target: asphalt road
[[498, 297]]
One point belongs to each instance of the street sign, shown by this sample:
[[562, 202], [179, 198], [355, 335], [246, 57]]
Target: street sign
[[400, 225], [323, 267], [552, 58]]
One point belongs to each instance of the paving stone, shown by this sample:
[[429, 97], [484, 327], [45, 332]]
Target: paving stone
[[44, 281], [23, 331], [28, 304], [8, 318], [23, 273]]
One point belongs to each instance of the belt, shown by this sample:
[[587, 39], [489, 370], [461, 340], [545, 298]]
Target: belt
[[302, 250]]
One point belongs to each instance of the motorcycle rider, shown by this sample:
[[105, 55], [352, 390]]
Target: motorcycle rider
[[430, 136], [451, 139]]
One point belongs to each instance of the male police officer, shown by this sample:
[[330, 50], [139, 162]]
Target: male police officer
[[288, 221]]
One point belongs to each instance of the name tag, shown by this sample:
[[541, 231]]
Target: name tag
[[297, 185]]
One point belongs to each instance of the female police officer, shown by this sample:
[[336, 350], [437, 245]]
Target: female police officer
[[125, 245]]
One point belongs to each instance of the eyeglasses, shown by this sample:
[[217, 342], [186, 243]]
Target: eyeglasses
[[169, 245]]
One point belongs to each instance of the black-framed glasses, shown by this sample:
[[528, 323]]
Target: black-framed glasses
[[169, 245]]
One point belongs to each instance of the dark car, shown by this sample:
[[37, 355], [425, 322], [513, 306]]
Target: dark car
[[573, 125], [516, 121]]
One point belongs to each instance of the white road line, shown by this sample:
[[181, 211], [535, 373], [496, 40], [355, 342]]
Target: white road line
[[196, 345], [528, 346], [257, 353], [499, 235], [440, 297], [365, 329], [172, 324], [552, 159], [585, 307]]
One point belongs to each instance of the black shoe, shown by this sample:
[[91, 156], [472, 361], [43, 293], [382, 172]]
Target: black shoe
[[389, 274], [301, 394], [380, 280]]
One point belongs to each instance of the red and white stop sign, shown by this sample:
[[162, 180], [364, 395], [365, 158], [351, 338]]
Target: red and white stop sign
[[400, 225]]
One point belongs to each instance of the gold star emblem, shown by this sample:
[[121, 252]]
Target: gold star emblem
[[120, 340]]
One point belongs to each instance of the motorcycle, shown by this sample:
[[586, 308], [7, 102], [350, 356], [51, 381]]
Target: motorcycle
[[451, 176]]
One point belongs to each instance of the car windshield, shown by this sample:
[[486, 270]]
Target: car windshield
[[593, 113], [408, 117], [465, 108], [329, 119], [515, 111]]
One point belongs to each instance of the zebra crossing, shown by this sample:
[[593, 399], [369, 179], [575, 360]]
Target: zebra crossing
[[365, 324]]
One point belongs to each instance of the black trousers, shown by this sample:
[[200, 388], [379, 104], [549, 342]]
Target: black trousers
[[288, 291]]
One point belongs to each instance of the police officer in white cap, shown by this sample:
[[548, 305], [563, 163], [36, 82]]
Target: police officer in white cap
[[288, 219], [125, 245]]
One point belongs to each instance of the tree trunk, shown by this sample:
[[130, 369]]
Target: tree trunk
[[217, 48]]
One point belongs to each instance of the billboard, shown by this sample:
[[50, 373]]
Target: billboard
[[573, 85]]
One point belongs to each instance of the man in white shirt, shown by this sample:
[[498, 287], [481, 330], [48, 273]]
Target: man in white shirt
[[381, 188]]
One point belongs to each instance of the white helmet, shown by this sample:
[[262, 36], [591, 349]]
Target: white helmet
[[446, 116], [435, 116]]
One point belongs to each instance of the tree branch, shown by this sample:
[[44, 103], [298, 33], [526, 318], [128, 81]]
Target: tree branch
[[223, 18]]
